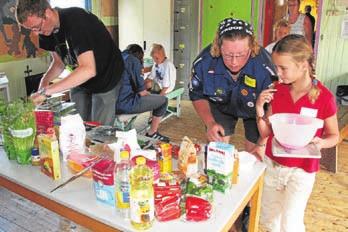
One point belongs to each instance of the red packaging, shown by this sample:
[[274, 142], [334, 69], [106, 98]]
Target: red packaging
[[167, 200], [103, 181], [197, 209], [44, 120]]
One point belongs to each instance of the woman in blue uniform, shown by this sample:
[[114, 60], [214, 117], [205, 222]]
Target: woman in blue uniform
[[227, 78]]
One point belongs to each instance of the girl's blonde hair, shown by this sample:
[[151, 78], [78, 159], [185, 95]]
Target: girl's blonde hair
[[298, 48], [232, 36]]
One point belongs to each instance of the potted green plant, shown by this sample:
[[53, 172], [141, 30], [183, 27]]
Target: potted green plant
[[7, 113], [23, 130]]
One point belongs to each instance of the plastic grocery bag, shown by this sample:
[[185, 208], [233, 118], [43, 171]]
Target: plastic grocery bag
[[72, 134]]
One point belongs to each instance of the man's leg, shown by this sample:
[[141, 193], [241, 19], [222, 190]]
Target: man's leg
[[155, 103], [83, 102], [103, 106]]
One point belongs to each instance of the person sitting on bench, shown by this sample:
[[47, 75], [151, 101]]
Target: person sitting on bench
[[134, 98], [163, 73]]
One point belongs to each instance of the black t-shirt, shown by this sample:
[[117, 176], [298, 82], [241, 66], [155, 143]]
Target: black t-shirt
[[81, 31]]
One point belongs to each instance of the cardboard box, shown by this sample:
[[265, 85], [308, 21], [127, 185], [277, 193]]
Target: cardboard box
[[49, 156], [220, 163]]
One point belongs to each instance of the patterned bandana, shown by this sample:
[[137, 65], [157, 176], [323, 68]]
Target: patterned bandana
[[234, 25]]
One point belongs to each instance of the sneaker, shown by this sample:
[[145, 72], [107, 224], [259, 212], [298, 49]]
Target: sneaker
[[158, 136]]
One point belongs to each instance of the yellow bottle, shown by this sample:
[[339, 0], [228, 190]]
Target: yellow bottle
[[142, 210]]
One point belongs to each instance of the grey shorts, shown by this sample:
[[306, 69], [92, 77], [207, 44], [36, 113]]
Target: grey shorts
[[228, 122]]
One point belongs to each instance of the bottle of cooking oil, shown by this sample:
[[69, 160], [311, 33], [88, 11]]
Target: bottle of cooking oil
[[122, 185], [141, 196]]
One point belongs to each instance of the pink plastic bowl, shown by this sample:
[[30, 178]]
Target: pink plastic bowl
[[294, 130]]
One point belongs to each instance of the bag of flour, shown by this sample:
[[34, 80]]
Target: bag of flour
[[72, 134]]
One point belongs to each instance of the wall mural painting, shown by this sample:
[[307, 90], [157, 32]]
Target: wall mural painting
[[15, 42]]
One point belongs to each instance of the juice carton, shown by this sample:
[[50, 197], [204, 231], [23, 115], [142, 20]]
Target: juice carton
[[220, 162], [49, 153]]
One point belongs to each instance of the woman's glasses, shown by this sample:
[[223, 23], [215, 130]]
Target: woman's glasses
[[238, 56]]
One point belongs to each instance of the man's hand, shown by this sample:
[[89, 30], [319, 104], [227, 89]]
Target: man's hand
[[37, 98], [215, 132]]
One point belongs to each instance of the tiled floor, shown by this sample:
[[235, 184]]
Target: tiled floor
[[18, 214]]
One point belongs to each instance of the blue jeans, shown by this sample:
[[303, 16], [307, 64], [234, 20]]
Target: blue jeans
[[98, 107]]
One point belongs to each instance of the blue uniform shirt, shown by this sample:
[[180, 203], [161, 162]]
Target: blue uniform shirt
[[211, 80], [132, 84]]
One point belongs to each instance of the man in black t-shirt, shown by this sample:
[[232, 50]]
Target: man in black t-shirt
[[78, 39]]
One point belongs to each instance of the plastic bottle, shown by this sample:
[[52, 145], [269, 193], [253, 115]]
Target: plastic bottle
[[122, 185], [142, 206]]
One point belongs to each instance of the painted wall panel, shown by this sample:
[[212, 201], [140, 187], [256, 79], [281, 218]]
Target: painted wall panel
[[146, 20], [214, 11], [332, 59]]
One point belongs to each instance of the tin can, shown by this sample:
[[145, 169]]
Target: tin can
[[35, 157]]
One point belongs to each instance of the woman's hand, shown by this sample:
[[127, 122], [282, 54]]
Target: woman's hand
[[215, 132], [266, 96]]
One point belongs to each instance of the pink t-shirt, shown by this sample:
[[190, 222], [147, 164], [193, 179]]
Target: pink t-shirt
[[283, 103]]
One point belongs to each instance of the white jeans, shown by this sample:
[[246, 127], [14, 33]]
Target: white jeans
[[284, 198]]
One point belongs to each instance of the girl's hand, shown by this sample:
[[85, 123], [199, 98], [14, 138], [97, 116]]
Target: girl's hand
[[258, 152], [266, 96], [318, 142]]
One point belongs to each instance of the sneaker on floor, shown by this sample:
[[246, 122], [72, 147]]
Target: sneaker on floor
[[158, 136]]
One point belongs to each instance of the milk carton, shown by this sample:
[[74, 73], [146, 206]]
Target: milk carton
[[220, 161]]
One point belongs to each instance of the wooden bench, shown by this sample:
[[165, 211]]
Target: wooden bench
[[174, 110]]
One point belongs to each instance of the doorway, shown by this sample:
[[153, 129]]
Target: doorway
[[276, 10]]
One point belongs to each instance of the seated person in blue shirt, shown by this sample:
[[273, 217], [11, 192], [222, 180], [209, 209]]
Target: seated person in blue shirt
[[134, 98]]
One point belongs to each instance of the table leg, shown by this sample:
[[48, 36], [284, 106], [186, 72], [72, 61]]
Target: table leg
[[255, 207]]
